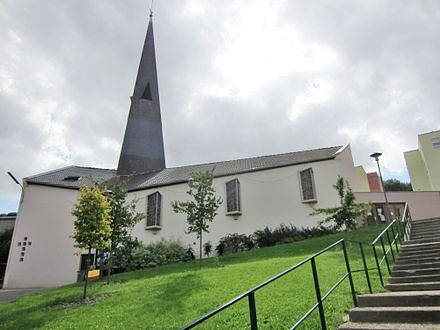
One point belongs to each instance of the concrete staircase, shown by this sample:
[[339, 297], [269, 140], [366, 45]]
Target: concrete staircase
[[414, 299]]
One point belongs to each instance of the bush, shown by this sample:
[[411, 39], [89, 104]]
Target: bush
[[234, 243], [268, 237], [287, 234], [159, 253], [5, 243]]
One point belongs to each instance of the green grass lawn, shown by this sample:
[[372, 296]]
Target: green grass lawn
[[171, 296]]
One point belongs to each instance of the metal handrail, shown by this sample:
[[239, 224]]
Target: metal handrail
[[400, 231], [320, 299]]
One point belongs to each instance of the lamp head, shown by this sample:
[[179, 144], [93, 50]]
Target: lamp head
[[376, 155]]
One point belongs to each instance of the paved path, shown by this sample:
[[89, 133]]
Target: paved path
[[7, 295]]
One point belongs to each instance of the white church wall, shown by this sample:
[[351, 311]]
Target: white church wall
[[268, 198], [45, 220]]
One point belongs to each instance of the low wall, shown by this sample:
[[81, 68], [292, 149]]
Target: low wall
[[422, 204]]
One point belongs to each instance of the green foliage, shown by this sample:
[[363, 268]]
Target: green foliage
[[396, 185], [202, 209], [287, 234], [5, 243], [92, 225], [233, 243], [348, 211], [207, 248], [282, 234], [122, 256], [123, 217], [155, 254]]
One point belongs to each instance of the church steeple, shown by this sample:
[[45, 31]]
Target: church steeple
[[142, 148]]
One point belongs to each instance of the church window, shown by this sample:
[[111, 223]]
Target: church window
[[147, 93], [307, 184], [233, 196], [153, 210]]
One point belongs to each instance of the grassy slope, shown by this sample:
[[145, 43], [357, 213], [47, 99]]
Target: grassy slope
[[171, 296]]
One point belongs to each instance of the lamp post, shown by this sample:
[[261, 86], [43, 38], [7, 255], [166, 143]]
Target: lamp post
[[15, 180], [376, 156]]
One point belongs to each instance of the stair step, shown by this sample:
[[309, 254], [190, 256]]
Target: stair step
[[416, 265], [425, 221], [413, 254], [423, 286], [415, 272], [425, 230], [415, 279], [411, 246], [428, 314], [403, 298], [388, 326], [405, 261], [421, 241], [424, 235]]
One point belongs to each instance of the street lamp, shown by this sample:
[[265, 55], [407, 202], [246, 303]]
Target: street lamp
[[15, 180], [376, 156]]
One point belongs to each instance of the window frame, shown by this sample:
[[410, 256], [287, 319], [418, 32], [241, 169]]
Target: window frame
[[158, 211], [315, 195], [238, 210]]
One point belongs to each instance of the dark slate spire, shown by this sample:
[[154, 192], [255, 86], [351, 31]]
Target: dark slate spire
[[142, 149]]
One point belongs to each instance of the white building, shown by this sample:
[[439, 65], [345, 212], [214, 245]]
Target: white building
[[257, 192]]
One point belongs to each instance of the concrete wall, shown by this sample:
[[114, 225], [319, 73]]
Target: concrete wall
[[422, 204], [424, 163], [363, 180], [44, 219], [268, 198], [431, 157]]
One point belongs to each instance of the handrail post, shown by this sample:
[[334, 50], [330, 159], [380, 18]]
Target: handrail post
[[367, 276], [391, 245], [394, 237], [252, 311], [318, 294], [385, 255], [378, 265], [350, 278]]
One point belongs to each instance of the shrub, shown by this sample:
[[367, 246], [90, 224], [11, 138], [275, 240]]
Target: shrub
[[287, 234], [207, 248], [158, 253], [234, 243], [268, 237]]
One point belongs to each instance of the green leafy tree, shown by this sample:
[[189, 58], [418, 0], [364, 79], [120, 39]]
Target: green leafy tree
[[348, 211], [123, 217], [202, 209], [396, 185], [92, 225]]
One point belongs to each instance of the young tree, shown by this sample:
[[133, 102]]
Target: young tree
[[123, 217], [92, 225], [347, 212], [202, 209]]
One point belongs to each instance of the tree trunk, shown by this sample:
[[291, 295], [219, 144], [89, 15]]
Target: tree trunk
[[109, 266], [86, 274], [200, 250]]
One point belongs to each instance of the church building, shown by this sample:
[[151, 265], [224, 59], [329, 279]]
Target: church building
[[257, 192]]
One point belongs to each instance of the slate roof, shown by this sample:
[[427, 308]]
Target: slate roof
[[88, 175], [181, 174]]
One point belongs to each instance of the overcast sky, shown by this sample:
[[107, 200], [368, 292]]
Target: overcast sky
[[237, 79]]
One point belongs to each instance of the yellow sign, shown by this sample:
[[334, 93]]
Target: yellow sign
[[93, 274]]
